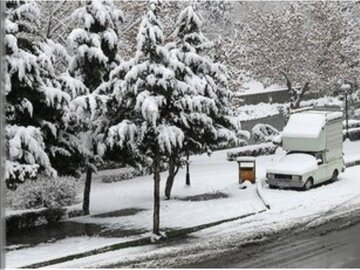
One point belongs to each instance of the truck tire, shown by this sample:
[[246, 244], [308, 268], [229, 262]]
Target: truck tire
[[308, 184], [334, 176], [272, 186]]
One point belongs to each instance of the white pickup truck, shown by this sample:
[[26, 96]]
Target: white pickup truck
[[313, 140]]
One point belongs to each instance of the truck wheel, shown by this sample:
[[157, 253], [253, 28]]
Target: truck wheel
[[272, 187], [334, 176], [308, 184]]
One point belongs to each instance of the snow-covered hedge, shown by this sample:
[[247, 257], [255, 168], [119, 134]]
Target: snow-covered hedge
[[357, 113], [26, 220], [354, 134], [128, 173], [352, 123], [121, 175], [354, 129], [20, 220], [322, 102], [264, 133], [252, 150], [44, 192]]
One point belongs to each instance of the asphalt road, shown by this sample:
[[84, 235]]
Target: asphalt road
[[317, 248]]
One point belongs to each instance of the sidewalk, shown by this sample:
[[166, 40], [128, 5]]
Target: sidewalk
[[144, 240]]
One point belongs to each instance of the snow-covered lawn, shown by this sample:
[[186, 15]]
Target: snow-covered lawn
[[208, 175], [258, 111], [255, 87]]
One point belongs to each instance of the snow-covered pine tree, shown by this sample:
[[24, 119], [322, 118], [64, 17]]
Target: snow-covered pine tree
[[95, 55], [208, 127], [34, 103], [147, 86]]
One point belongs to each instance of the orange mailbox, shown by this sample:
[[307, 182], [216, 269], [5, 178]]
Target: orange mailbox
[[247, 169]]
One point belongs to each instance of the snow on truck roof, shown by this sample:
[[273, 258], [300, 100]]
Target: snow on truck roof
[[309, 124]]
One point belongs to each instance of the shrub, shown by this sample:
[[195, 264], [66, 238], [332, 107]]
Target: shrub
[[252, 151], [264, 133], [43, 192], [354, 134], [54, 215], [25, 220], [128, 173], [121, 175], [352, 123]]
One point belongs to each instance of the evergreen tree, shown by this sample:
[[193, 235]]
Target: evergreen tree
[[211, 126], [35, 104], [146, 88], [95, 55]]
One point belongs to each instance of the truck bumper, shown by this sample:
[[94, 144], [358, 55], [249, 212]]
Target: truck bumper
[[285, 183]]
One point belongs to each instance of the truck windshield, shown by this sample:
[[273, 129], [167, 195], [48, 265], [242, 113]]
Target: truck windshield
[[317, 155]]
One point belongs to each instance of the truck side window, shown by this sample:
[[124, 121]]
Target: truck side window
[[319, 158]]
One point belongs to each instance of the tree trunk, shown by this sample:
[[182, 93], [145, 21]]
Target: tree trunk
[[174, 166], [156, 215], [187, 181], [86, 200], [170, 179], [300, 94]]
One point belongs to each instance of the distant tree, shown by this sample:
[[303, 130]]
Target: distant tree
[[35, 103], [55, 18], [95, 55], [300, 45]]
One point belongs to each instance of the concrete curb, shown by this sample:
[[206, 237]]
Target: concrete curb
[[138, 242], [261, 196], [352, 163]]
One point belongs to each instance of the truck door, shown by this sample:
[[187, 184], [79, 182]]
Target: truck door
[[322, 169]]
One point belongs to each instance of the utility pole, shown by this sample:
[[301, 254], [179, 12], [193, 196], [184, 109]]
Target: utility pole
[[187, 182], [346, 87], [347, 114]]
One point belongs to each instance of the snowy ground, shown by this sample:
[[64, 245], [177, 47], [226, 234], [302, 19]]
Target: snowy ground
[[258, 111], [209, 175]]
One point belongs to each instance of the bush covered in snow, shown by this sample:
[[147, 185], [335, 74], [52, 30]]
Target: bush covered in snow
[[354, 129], [354, 134], [43, 192], [264, 133], [121, 175], [128, 173], [322, 102], [352, 123], [252, 151]]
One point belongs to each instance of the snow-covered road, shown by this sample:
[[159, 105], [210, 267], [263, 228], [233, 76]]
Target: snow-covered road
[[325, 246]]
